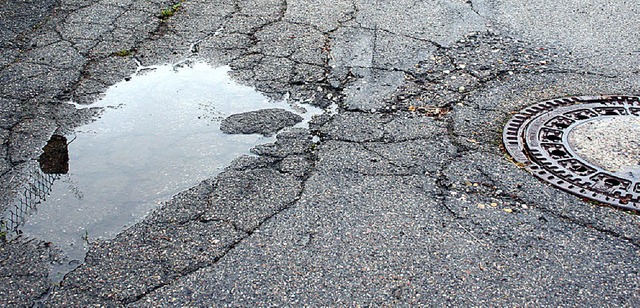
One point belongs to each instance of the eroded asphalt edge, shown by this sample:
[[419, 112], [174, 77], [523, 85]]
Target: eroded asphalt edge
[[91, 290]]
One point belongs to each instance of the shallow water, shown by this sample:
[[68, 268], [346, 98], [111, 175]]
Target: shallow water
[[159, 134]]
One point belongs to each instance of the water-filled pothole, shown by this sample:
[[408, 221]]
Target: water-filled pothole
[[159, 134]]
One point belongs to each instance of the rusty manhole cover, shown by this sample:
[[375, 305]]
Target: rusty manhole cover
[[588, 146]]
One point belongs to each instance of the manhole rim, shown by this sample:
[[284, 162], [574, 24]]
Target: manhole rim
[[516, 134]]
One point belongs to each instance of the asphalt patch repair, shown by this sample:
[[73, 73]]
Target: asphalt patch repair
[[542, 139]]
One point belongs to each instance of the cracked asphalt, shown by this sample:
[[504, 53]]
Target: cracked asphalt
[[407, 199]]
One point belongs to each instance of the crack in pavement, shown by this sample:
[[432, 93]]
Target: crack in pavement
[[401, 165], [217, 197]]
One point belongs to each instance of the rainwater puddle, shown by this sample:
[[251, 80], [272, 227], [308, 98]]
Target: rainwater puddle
[[159, 135]]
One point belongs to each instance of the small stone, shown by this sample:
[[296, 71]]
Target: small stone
[[481, 206], [461, 89], [508, 210], [494, 204], [265, 122]]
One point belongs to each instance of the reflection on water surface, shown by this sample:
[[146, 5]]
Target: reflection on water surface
[[159, 134]]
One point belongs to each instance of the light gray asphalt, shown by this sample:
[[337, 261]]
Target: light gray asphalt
[[406, 199]]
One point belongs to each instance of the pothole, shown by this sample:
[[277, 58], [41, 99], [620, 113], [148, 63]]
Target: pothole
[[585, 145], [158, 135]]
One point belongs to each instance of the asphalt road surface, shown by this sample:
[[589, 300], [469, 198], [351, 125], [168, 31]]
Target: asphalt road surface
[[406, 199]]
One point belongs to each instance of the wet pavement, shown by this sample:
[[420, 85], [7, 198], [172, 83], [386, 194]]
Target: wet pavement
[[404, 196]]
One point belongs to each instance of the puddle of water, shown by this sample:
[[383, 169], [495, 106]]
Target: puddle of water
[[158, 136]]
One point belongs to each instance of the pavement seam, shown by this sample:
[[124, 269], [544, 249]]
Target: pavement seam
[[473, 8]]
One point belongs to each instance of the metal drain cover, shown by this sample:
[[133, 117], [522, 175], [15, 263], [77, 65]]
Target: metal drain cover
[[540, 137]]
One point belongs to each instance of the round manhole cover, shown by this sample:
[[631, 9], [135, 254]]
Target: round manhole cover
[[589, 146]]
